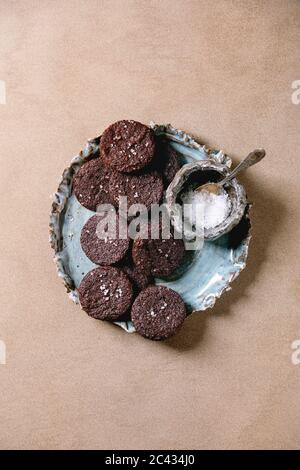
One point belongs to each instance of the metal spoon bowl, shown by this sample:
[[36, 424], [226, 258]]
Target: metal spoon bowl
[[253, 158]]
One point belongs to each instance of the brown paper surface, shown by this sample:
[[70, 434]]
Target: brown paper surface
[[222, 71]]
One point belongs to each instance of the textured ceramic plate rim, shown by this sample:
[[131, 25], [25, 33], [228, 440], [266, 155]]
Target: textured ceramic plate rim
[[64, 191]]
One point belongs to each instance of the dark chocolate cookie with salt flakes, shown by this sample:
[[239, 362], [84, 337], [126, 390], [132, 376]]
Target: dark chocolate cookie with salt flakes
[[127, 146], [106, 250], [141, 256], [158, 312], [143, 188], [90, 184], [105, 293], [160, 258], [166, 161], [139, 279]]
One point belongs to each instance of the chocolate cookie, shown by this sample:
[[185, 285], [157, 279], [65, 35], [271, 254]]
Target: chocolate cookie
[[171, 165], [166, 161], [139, 279], [141, 256], [90, 184], [158, 257], [105, 293], [127, 146], [102, 250], [158, 312], [145, 188]]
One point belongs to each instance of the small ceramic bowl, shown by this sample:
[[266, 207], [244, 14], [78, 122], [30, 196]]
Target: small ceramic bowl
[[197, 173]]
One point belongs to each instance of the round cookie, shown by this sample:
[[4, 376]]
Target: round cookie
[[171, 165], [90, 184], [127, 146], [158, 312], [140, 280], [99, 250], [166, 161], [145, 188], [105, 293], [141, 256], [158, 257]]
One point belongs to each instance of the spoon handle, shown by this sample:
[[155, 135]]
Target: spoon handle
[[253, 158]]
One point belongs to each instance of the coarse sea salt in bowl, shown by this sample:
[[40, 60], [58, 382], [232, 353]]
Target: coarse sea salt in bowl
[[221, 213]]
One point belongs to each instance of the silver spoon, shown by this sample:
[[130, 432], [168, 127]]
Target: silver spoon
[[253, 158]]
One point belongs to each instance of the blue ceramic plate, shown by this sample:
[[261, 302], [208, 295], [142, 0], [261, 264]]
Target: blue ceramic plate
[[203, 276]]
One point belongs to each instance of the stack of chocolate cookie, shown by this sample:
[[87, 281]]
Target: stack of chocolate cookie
[[131, 163]]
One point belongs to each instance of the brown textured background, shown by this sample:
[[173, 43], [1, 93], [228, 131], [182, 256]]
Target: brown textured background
[[222, 71]]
